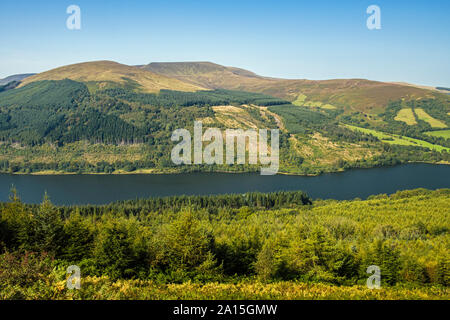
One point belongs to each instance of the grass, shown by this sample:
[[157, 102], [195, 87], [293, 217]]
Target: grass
[[300, 102], [422, 115], [399, 140], [328, 106], [313, 104], [441, 133], [406, 115]]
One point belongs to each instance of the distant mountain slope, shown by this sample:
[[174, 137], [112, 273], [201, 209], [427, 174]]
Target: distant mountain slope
[[437, 89], [358, 94], [107, 117], [106, 73], [350, 94], [209, 75], [194, 69], [16, 77]]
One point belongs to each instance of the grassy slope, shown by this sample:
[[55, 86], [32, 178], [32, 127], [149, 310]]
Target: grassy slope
[[316, 149], [422, 115], [104, 72], [400, 140], [440, 133], [358, 94], [406, 115]]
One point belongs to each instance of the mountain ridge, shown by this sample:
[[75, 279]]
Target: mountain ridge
[[351, 95], [104, 117], [104, 72], [361, 94]]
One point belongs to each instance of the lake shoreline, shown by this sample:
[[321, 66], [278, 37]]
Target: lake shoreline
[[176, 172], [102, 188]]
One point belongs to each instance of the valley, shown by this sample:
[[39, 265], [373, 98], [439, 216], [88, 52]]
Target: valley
[[104, 117], [219, 158]]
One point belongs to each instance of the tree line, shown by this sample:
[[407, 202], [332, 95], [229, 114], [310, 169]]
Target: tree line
[[274, 237]]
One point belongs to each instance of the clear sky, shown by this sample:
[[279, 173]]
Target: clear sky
[[293, 39]]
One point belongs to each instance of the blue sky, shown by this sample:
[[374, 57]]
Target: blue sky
[[292, 39]]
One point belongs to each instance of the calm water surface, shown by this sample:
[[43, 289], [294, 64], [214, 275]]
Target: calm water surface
[[101, 189]]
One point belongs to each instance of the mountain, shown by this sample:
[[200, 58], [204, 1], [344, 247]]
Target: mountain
[[105, 117], [105, 74], [357, 94], [438, 89], [209, 75], [201, 72], [16, 77], [360, 95]]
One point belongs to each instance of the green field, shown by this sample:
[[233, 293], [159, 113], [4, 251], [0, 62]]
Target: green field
[[406, 115], [422, 115], [300, 101], [399, 140], [441, 133]]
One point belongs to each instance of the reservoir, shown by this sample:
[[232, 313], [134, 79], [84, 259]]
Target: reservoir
[[102, 189]]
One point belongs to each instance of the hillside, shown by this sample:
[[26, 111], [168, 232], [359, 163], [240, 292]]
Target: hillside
[[355, 94], [16, 77], [209, 75], [104, 117], [104, 74]]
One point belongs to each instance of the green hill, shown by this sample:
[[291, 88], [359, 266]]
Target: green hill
[[110, 118]]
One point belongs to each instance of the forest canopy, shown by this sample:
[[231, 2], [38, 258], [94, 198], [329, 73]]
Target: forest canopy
[[267, 238]]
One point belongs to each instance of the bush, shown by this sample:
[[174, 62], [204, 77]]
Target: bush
[[26, 275]]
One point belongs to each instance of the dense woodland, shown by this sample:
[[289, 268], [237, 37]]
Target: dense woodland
[[64, 111], [230, 243]]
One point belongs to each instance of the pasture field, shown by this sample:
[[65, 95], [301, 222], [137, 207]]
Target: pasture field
[[300, 102], [406, 115], [399, 140], [422, 115], [441, 133]]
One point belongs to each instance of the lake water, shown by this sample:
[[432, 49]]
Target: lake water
[[101, 189]]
